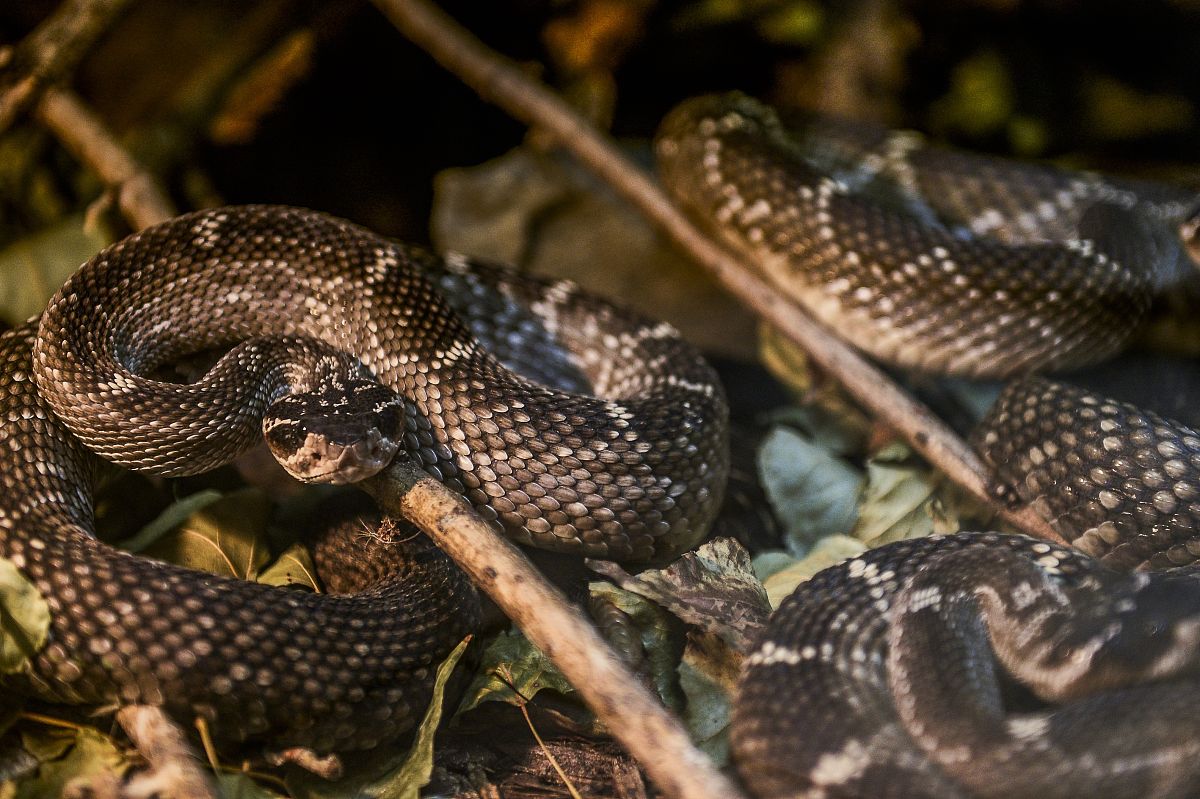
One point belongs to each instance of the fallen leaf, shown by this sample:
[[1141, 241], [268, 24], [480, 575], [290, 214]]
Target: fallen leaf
[[531, 671], [900, 499], [813, 493], [227, 536], [707, 675], [293, 567], [713, 588], [66, 756], [24, 619], [32, 268], [829, 551]]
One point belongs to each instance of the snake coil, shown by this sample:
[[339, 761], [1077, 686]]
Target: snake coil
[[567, 422], [977, 664]]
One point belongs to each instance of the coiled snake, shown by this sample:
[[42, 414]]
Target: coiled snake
[[418, 349], [977, 664]]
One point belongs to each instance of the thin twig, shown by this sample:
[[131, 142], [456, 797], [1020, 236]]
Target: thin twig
[[619, 699], [51, 51], [174, 770], [141, 200], [500, 81], [505, 674]]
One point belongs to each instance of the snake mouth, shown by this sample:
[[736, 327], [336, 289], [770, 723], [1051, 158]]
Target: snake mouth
[[320, 460]]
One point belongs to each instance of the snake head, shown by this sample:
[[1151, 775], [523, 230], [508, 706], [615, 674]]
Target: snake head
[[343, 432]]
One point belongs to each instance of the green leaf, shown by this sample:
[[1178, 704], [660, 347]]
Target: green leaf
[[88, 754], [227, 537], [531, 672], [414, 774], [241, 786], [293, 567], [170, 519], [24, 619], [812, 492], [981, 97], [900, 500], [707, 676], [33, 268], [797, 22]]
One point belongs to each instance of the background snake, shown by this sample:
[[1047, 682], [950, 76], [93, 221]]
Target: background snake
[[976, 664], [311, 307]]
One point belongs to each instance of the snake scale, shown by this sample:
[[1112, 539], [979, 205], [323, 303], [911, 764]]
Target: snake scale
[[979, 664], [417, 350]]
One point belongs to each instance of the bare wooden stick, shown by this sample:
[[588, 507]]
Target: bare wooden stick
[[502, 82], [51, 51], [619, 699], [141, 200], [174, 770]]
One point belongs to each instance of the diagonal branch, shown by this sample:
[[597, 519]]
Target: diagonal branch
[[500, 81], [559, 629], [50, 52], [138, 194]]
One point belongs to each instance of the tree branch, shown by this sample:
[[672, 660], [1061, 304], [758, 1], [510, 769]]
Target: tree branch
[[141, 200], [502, 82], [52, 50], [619, 699]]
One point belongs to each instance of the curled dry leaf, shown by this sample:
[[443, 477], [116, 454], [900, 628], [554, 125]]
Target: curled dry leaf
[[713, 588]]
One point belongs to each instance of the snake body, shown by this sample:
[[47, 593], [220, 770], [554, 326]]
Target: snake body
[[927, 259], [979, 664], [892, 675], [309, 306]]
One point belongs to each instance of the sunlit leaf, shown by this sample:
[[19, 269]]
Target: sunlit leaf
[[293, 567], [66, 756], [24, 618], [225, 537]]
